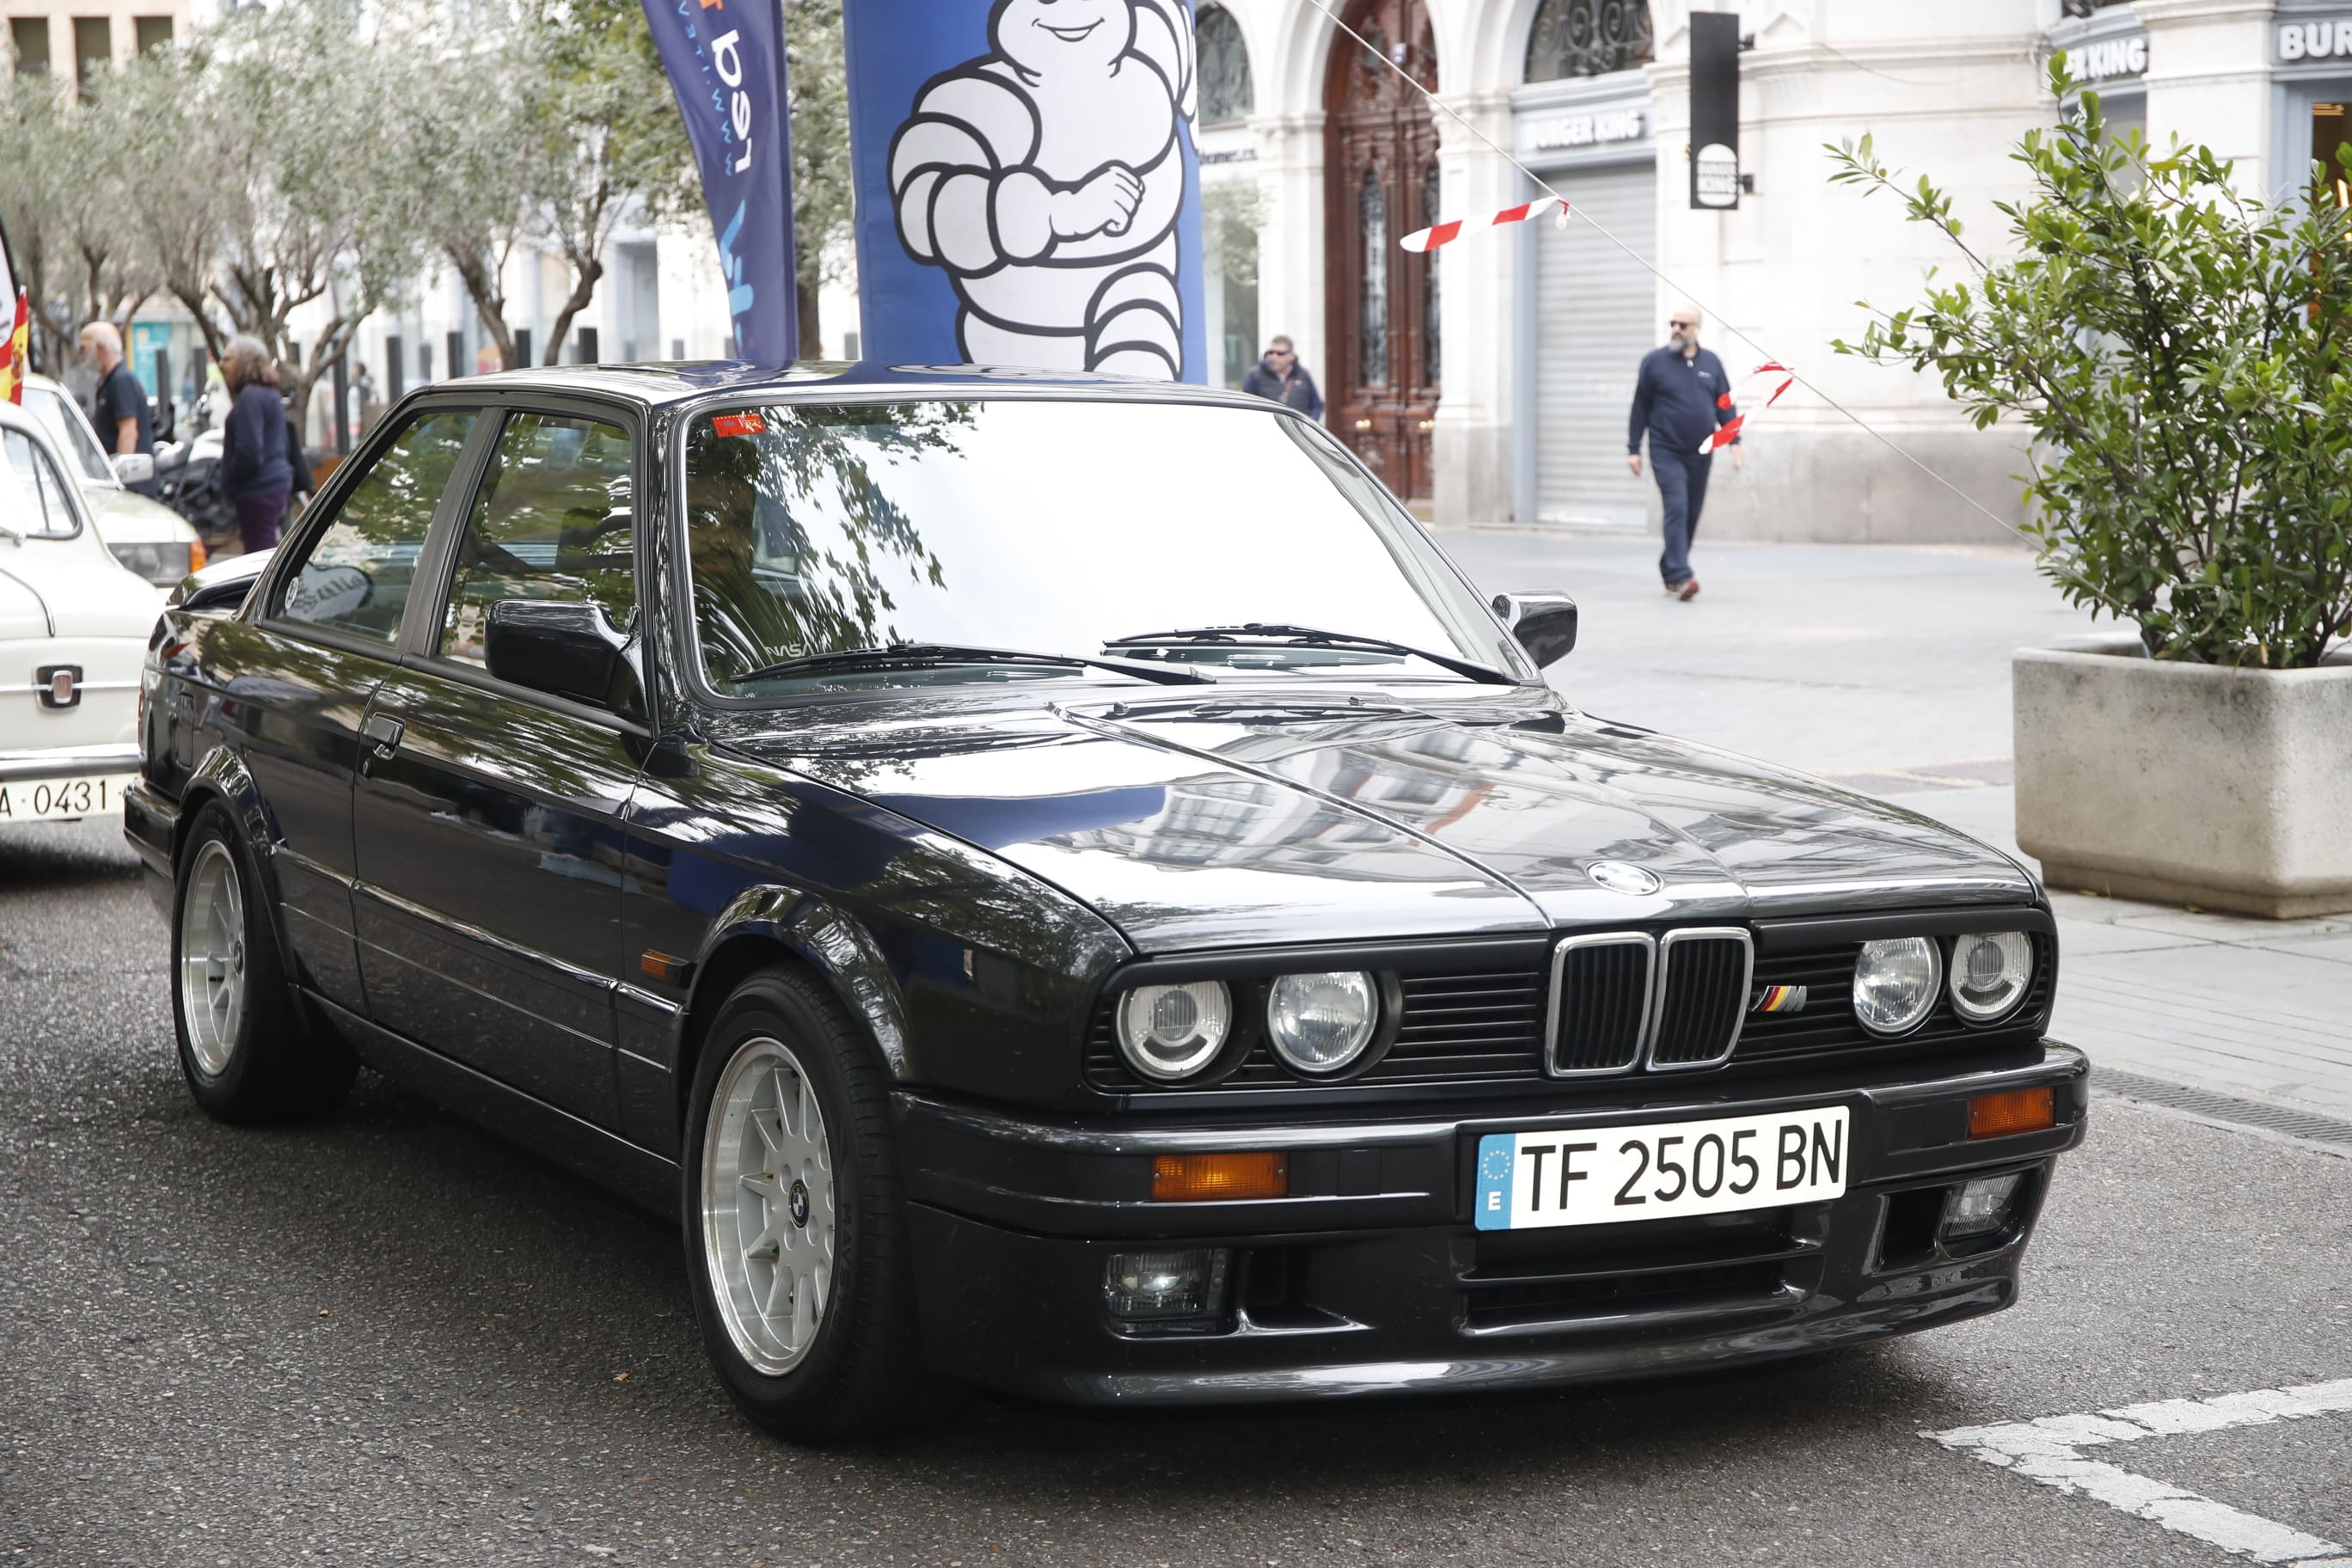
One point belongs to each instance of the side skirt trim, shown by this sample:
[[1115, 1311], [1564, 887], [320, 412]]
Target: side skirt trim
[[643, 1177]]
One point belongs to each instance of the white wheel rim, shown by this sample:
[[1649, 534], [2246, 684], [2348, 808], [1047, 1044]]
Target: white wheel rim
[[768, 1205], [212, 957]]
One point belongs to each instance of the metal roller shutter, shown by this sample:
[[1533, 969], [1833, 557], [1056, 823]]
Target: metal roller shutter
[[1594, 311]]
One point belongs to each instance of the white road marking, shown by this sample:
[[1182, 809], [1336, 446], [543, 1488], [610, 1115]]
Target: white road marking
[[2049, 1450]]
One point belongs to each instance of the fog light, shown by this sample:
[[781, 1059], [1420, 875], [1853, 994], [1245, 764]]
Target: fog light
[[1153, 1287], [1987, 1204], [1191, 1178], [2018, 1111]]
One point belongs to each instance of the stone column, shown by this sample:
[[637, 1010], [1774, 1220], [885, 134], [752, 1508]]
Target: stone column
[[1290, 246], [2209, 80], [1472, 446]]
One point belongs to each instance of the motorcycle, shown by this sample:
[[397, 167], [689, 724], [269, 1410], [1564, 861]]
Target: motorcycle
[[187, 479]]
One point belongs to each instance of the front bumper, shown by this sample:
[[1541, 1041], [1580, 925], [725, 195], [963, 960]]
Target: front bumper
[[1369, 1278]]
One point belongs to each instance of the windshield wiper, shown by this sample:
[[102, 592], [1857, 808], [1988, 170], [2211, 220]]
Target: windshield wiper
[[1282, 633], [916, 653]]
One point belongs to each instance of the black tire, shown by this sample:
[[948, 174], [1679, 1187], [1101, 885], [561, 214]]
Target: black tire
[[861, 1372], [270, 1066]]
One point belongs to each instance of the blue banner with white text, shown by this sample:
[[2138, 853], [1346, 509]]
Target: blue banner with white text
[[725, 63], [1028, 190]]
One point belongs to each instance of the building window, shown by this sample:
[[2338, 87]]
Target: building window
[[1225, 91], [1587, 38], [1372, 212], [29, 37], [93, 48], [1429, 335], [155, 32]]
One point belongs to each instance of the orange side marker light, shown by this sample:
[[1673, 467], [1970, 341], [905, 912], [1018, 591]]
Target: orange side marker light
[[1196, 1178], [2018, 1111]]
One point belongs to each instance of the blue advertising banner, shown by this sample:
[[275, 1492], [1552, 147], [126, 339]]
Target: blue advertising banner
[[1028, 190], [725, 63]]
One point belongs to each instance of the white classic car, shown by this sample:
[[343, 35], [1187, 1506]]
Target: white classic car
[[145, 535], [74, 625]]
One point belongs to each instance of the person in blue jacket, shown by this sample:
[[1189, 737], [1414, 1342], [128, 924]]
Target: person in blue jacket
[[255, 471], [1680, 398]]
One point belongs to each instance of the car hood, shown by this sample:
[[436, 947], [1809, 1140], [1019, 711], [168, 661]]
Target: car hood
[[72, 588], [1194, 822], [125, 517]]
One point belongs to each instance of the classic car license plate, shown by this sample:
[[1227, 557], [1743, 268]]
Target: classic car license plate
[[1662, 1170], [48, 800]]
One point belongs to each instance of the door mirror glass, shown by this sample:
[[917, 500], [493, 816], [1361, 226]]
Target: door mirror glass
[[566, 647], [1545, 623], [134, 467]]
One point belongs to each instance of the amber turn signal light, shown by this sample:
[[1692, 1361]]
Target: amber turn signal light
[[2018, 1111], [1195, 1178]]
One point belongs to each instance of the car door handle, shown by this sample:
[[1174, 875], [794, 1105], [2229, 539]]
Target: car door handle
[[382, 734]]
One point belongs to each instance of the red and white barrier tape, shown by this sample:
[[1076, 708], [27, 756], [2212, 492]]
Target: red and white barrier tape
[[1452, 229], [1729, 431]]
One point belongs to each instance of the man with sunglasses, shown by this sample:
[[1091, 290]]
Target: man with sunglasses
[[1281, 378], [1680, 398]]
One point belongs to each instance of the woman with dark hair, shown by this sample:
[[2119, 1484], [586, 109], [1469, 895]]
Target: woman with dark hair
[[254, 472]]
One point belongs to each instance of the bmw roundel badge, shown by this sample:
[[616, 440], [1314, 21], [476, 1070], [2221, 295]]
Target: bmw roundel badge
[[1619, 877]]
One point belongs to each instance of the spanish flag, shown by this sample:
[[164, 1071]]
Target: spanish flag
[[15, 349]]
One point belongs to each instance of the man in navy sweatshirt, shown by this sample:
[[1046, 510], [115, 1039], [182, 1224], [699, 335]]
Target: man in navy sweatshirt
[[1680, 398]]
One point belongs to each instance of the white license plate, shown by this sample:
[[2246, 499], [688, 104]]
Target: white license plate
[[54, 800], [1662, 1170]]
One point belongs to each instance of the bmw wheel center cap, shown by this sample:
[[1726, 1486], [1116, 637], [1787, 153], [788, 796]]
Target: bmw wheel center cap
[[1619, 877]]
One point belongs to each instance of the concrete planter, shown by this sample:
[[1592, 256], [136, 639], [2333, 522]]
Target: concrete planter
[[2229, 789]]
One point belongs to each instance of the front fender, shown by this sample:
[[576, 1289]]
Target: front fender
[[837, 947]]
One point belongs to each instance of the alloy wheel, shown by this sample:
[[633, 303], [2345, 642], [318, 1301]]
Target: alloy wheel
[[768, 1220], [212, 957]]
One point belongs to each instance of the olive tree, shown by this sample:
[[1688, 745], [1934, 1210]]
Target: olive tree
[[2182, 354], [64, 198]]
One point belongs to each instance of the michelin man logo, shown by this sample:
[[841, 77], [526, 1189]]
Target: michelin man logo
[[1046, 177]]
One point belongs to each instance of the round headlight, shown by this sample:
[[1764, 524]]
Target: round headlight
[[1168, 1032], [1320, 1023], [1895, 983], [1990, 974]]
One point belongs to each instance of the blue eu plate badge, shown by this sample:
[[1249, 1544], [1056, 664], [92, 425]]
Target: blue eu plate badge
[[1497, 1152]]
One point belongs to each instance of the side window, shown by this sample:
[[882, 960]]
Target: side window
[[359, 571], [554, 519], [42, 484]]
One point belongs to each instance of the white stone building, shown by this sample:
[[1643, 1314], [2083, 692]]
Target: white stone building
[[1500, 393]]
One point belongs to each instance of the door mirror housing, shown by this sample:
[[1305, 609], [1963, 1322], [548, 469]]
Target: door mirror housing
[[567, 647], [1545, 623], [134, 468]]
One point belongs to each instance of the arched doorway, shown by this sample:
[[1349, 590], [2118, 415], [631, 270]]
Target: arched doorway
[[1379, 184]]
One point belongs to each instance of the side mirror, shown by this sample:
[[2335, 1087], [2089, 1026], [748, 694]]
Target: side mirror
[[1544, 622], [134, 468], [564, 647]]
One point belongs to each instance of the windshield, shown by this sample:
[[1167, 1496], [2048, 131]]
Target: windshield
[[72, 433], [1059, 528]]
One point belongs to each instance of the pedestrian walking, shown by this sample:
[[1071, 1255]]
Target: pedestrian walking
[[1280, 376], [364, 394], [255, 471], [118, 407], [1681, 395]]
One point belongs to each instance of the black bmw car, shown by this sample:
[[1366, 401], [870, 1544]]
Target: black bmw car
[[1059, 884]]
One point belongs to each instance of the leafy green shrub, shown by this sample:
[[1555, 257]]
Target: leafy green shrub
[[2183, 356]]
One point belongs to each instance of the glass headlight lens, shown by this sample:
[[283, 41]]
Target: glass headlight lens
[[1990, 974], [1895, 983], [161, 563], [1168, 1032], [1320, 1023]]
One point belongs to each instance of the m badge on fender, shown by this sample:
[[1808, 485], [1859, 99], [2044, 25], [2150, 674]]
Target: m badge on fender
[[1778, 999]]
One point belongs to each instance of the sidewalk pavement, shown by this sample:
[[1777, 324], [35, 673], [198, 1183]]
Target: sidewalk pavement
[[1886, 669]]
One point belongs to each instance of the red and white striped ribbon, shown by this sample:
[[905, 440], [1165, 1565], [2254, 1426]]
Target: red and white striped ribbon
[[1452, 229], [1727, 432]]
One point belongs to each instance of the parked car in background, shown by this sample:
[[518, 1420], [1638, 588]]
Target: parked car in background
[[145, 535], [1058, 883], [74, 623]]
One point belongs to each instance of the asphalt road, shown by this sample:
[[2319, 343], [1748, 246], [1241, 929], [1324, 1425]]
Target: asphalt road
[[388, 1338]]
